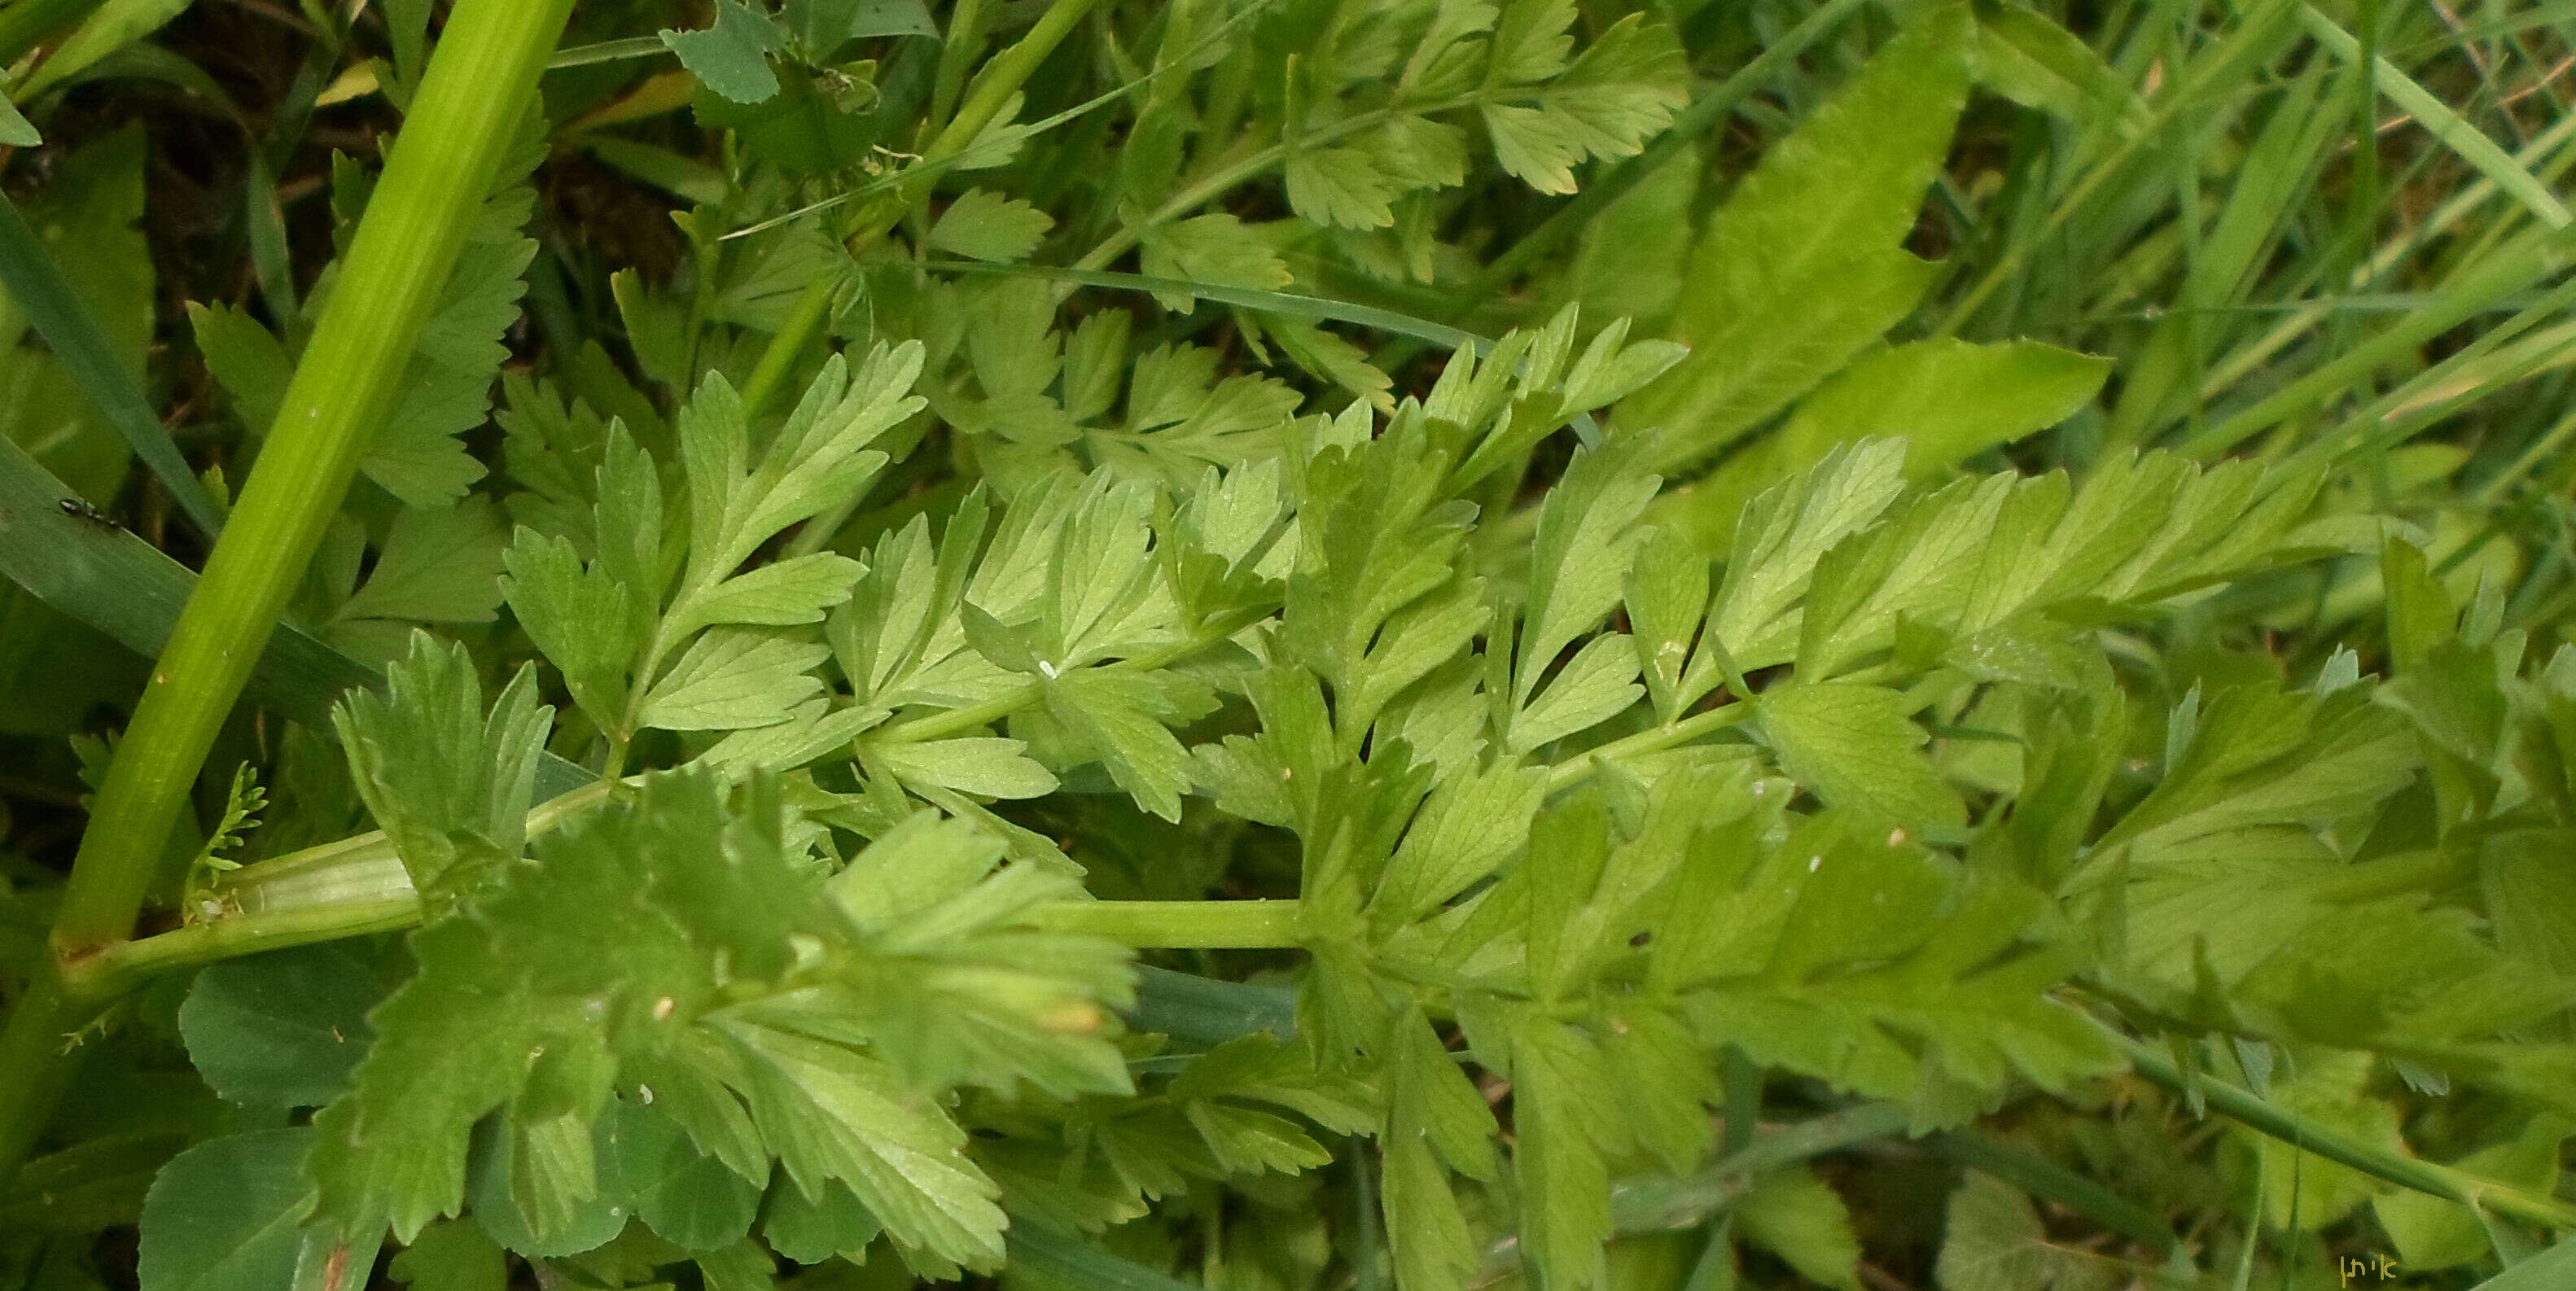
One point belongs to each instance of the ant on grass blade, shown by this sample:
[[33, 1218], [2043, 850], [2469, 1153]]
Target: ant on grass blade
[[78, 509]]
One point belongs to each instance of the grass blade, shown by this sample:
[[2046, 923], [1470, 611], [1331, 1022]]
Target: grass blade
[[1205, 1012], [1289, 304], [40, 289], [124, 587], [27, 23], [2472, 291], [1059, 1256], [2043, 1178], [110, 580], [2551, 1270], [2454, 131]]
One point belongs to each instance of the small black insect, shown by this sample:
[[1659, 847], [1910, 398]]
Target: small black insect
[[81, 510]]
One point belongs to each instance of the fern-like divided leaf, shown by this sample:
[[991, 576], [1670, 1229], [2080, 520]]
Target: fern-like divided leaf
[[1511, 809], [665, 971]]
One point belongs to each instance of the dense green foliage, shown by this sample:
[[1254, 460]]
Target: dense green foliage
[[1287, 644]]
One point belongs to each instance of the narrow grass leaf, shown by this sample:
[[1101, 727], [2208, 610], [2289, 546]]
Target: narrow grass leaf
[[2454, 131], [119, 585], [39, 288]]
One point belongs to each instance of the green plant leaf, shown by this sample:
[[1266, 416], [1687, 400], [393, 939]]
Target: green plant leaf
[[691, 1200], [1121, 721], [1564, 1182], [1947, 400], [2026, 57], [985, 226], [1994, 1241], [1217, 249], [2536, 1273], [451, 1256], [103, 32], [441, 565], [809, 1231], [1801, 270], [15, 130], [831, 1114], [731, 56], [226, 1214], [450, 784], [1797, 1217], [281, 1029], [1858, 747]]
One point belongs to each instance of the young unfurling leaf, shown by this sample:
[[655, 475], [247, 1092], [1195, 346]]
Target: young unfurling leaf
[[699, 660], [447, 782]]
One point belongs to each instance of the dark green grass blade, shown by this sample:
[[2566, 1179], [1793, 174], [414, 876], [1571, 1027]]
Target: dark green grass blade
[[1062, 1257], [2047, 1179], [40, 289], [2551, 1270], [124, 587], [25, 24], [1288, 303], [1204, 1013]]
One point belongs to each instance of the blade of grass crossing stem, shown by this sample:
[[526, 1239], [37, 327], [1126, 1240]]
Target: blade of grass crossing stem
[[479, 85], [39, 289], [1291, 304], [2447, 126], [1657, 1202], [125, 589], [993, 88], [608, 51]]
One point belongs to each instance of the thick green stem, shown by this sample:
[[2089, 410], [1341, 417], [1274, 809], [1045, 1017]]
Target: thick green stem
[[381, 899], [38, 1057], [470, 103], [1182, 925], [957, 721], [1576, 770], [124, 965], [477, 89]]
